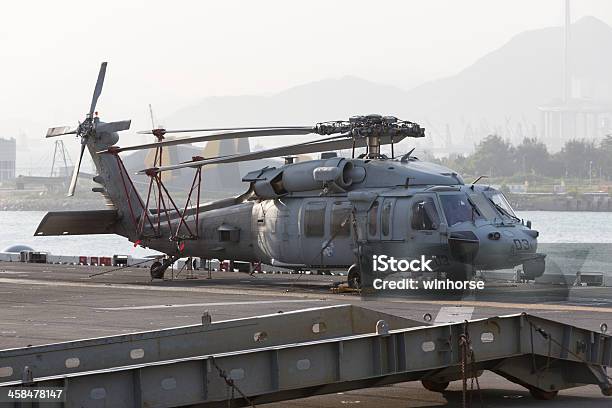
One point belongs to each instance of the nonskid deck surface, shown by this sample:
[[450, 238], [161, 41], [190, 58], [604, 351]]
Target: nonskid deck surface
[[49, 303]]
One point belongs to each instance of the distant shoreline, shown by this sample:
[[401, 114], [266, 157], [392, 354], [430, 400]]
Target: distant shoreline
[[32, 200], [582, 202]]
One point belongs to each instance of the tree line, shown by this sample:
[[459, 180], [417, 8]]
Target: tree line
[[496, 157]]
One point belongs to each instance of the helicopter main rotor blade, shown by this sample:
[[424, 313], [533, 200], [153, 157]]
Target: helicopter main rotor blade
[[111, 127], [300, 148], [339, 142], [152, 132], [75, 172], [60, 131], [97, 89], [218, 136]]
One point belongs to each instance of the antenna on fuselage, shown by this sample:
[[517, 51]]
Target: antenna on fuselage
[[477, 180], [406, 157]]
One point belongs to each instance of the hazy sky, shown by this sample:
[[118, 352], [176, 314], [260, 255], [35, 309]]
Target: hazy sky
[[172, 53]]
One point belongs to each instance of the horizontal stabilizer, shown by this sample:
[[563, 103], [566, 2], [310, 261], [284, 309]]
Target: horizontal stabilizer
[[59, 131], [111, 127], [78, 223]]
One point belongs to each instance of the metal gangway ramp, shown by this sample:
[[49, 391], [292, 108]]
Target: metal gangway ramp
[[308, 352]]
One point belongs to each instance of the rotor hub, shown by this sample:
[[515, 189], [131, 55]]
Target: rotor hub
[[86, 127], [373, 128]]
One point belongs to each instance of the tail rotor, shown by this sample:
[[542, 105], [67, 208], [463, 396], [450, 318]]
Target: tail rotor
[[89, 128]]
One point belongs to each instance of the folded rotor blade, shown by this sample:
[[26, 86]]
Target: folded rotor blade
[[306, 147], [59, 131], [220, 136], [338, 142], [111, 127], [75, 172], [151, 132], [97, 89]]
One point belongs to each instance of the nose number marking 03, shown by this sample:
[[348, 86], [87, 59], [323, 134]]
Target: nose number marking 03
[[522, 244]]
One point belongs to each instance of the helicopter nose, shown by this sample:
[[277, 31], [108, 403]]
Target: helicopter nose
[[505, 248]]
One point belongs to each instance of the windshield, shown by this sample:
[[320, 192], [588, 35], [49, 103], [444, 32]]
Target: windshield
[[485, 206], [501, 204], [458, 208]]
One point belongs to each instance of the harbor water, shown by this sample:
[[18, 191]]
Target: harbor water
[[17, 227]]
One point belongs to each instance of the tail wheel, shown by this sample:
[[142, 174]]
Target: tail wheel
[[540, 394], [157, 270], [434, 386], [354, 277]]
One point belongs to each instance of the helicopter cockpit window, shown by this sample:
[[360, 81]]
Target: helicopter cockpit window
[[341, 220], [458, 208], [314, 219], [424, 215], [501, 204], [484, 206], [373, 218]]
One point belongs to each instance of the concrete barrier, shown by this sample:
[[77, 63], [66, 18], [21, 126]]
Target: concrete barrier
[[9, 257], [79, 260], [62, 259]]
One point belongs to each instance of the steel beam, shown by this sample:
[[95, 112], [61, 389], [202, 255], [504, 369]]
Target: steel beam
[[537, 353]]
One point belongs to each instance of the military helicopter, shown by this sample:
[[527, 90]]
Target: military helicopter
[[329, 213]]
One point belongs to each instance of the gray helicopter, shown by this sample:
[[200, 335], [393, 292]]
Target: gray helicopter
[[331, 213]]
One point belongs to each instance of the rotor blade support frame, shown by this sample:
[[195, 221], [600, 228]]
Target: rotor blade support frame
[[180, 223], [125, 176]]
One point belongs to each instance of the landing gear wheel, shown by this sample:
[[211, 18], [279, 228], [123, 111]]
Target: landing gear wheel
[[434, 386], [540, 394], [157, 270], [354, 277]]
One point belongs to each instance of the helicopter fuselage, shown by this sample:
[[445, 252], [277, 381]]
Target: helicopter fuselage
[[298, 219]]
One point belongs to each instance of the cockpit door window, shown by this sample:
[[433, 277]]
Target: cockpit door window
[[424, 214]]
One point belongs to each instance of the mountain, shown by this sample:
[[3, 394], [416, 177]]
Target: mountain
[[499, 92], [512, 81], [329, 99]]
